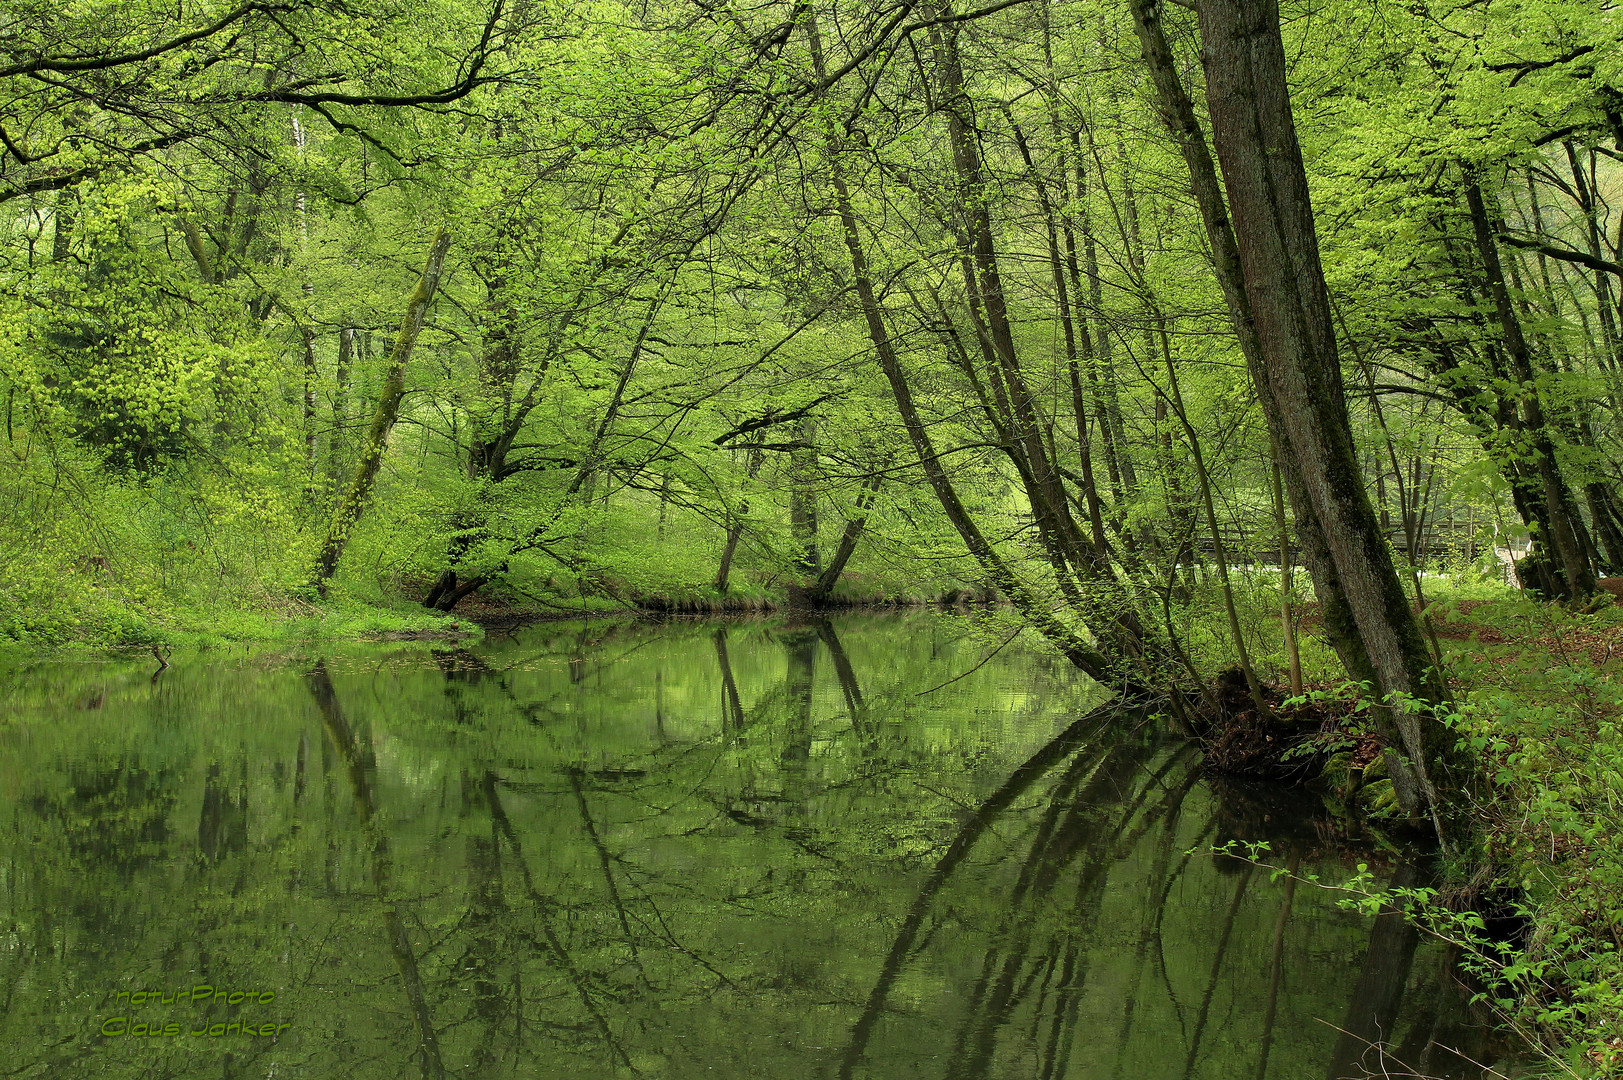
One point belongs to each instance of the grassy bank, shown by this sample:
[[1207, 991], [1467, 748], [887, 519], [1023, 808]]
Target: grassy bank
[[1535, 899], [95, 607], [1544, 716]]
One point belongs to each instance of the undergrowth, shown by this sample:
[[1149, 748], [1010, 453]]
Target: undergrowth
[[1539, 708]]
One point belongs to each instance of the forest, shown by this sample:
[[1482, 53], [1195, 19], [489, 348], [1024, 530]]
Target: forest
[[1258, 359]]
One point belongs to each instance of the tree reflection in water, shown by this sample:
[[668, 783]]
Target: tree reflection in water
[[694, 850]]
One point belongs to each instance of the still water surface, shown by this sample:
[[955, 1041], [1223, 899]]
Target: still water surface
[[683, 851]]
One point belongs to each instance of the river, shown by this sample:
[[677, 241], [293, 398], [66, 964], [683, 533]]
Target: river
[[853, 849]]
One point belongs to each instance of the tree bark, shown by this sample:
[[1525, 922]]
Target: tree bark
[[67, 212], [803, 514], [1561, 512], [1272, 280], [1255, 138], [338, 441], [735, 528], [355, 499], [854, 525]]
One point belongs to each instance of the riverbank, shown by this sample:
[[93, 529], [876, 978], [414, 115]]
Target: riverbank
[[285, 620], [109, 617], [1534, 900], [1542, 709]]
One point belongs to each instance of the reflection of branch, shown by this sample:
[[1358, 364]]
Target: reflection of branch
[[603, 861], [553, 944], [1017, 784], [1217, 967], [670, 936], [1055, 847], [983, 661], [1276, 966], [358, 756]]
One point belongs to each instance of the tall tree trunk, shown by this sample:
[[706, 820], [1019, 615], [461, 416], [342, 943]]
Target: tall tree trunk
[[735, 528], [854, 525], [1081, 570], [312, 376], [1287, 619], [338, 441], [355, 499], [67, 212], [1074, 645], [359, 756], [1068, 326], [1274, 285], [1178, 113], [1255, 137], [1565, 538]]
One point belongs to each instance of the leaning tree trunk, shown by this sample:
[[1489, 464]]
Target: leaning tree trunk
[[808, 564], [1178, 113], [359, 494], [1272, 280], [1566, 539], [735, 528], [1105, 668], [1255, 137], [830, 575]]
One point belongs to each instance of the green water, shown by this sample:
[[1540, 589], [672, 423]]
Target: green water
[[686, 851]]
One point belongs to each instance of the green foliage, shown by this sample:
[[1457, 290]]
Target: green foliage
[[648, 347]]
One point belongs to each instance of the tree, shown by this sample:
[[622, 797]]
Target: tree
[[1277, 299]]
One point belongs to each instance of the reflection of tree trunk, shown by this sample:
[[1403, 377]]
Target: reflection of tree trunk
[[358, 756], [1453, 1035], [1090, 892], [1019, 782], [1373, 1008], [842, 670], [329, 820], [486, 906], [732, 710], [1161, 875], [1064, 835], [543, 906], [604, 861], [299, 769], [1217, 967], [800, 657], [223, 824], [1276, 965]]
